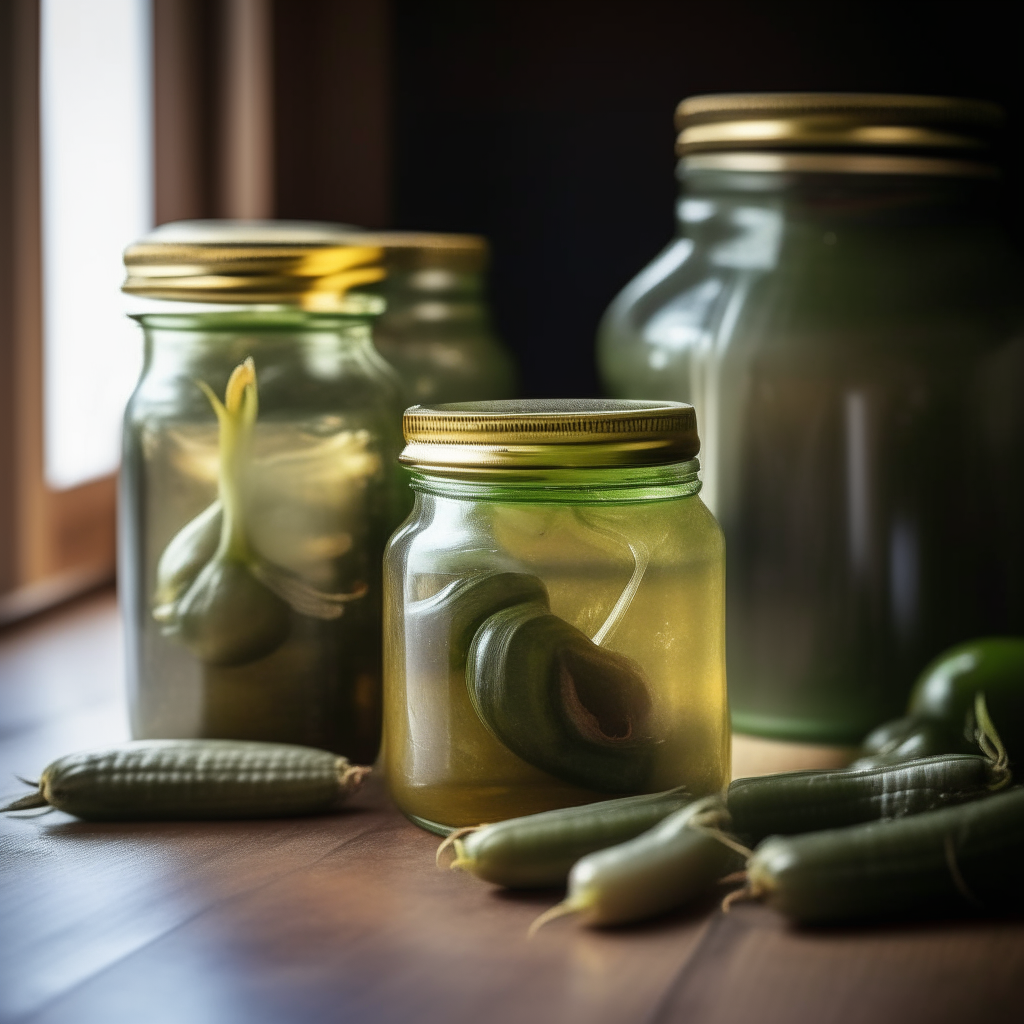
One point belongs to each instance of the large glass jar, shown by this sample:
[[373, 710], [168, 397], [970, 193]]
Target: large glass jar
[[554, 611], [258, 489], [842, 312], [436, 330]]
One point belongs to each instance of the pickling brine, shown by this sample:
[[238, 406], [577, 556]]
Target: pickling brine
[[842, 309], [553, 636], [258, 489]]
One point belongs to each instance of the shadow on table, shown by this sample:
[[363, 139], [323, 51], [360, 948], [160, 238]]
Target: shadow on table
[[66, 827], [544, 898]]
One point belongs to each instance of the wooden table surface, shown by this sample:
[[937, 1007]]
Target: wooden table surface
[[346, 919]]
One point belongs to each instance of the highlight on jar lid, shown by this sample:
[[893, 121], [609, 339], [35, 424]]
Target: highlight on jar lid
[[317, 267], [549, 434], [934, 134], [421, 250]]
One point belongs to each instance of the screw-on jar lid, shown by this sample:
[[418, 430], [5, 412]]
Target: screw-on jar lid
[[959, 130], [549, 434], [309, 265], [421, 250]]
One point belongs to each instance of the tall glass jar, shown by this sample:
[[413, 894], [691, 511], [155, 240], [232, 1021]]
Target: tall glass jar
[[841, 310], [436, 330], [554, 611], [258, 487]]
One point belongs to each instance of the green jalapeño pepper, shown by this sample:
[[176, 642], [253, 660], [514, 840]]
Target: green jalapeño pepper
[[940, 717], [993, 666]]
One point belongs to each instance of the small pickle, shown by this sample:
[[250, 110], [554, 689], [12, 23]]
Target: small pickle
[[946, 861], [794, 802], [677, 861], [195, 779], [539, 850]]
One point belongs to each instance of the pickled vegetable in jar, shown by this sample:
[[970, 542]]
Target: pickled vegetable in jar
[[436, 330], [258, 487], [554, 611]]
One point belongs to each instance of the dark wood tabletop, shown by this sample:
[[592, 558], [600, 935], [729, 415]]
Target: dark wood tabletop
[[346, 919]]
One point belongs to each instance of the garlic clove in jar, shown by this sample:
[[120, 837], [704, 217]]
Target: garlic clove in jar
[[184, 558], [227, 617]]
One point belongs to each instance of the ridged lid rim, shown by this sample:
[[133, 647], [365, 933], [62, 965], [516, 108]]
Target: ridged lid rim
[[312, 266], [550, 433], [852, 122]]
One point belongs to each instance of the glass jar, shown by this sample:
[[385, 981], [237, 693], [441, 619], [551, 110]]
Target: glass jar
[[842, 312], [436, 330], [258, 489], [554, 611]]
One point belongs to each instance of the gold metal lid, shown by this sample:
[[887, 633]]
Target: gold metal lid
[[312, 266], [421, 250], [829, 122], [550, 434]]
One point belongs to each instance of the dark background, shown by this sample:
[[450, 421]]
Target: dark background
[[548, 126]]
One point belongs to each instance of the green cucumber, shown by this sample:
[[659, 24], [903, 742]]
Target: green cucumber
[[946, 861], [539, 850], [678, 860], [793, 802], [194, 779]]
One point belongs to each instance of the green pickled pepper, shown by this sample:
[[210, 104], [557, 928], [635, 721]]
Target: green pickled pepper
[[561, 702], [453, 615], [993, 666], [940, 716], [545, 690]]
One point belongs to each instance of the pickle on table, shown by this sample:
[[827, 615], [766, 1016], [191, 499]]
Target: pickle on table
[[195, 779], [539, 850], [954, 860], [805, 801]]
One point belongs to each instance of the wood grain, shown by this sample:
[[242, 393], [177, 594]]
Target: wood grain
[[345, 918]]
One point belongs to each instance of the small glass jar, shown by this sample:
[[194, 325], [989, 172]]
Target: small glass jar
[[843, 312], [258, 488], [436, 330], [554, 611]]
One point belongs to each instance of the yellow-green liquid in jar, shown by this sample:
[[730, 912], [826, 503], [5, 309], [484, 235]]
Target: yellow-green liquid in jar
[[445, 767], [316, 508]]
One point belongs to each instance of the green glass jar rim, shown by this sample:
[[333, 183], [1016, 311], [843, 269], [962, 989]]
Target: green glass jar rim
[[253, 318], [574, 485]]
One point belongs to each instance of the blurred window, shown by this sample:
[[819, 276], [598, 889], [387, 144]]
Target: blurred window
[[97, 196]]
